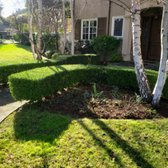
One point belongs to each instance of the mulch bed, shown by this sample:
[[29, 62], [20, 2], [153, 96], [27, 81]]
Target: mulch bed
[[101, 102]]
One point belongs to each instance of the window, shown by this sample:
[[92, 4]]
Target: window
[[117, 26], [89, 29]]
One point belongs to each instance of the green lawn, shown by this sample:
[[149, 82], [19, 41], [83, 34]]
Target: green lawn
[[35, 138], [15, 53]]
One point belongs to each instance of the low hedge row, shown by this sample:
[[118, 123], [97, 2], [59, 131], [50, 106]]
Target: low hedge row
[[37, 83], [9, 68]]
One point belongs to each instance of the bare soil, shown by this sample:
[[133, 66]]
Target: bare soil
[[100, 101]]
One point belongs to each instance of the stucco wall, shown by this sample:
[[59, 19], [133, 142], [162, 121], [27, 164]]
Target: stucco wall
[[86, 9], [145, 4]]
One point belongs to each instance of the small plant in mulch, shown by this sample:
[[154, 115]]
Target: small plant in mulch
[[99, 101]]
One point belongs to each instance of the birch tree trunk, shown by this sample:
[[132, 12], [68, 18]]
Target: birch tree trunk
[[144, 88], [30, 13], [162, 75], [64, 27], [73, 27], [39, 36]]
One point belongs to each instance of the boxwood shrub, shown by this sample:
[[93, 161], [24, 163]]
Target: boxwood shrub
[[37, 83], [9, 68]]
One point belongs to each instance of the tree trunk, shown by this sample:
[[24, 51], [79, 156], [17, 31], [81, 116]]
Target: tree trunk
[[162, 75], [64, 27], [73, 27], [30, 13], [144, 88], [39, 36]]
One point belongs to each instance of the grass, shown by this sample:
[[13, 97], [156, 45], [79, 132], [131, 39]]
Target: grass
[[15, 54], [37, 138]]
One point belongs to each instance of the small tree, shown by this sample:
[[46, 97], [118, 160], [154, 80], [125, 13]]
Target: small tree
[[144, 88]]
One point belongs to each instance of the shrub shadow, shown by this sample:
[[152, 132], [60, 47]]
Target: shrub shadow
[[32, 124]]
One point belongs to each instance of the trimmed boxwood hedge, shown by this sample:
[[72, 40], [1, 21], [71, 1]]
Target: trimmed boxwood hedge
[[37, 83], [9, 68]]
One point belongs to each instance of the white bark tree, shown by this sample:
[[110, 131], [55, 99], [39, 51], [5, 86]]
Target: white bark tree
[[64, 27], [144, 88], [73, 27], [163, 69], [30, 22], [32, 7], [39, 30]]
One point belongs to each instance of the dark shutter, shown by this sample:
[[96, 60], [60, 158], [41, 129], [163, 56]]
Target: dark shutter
[[102, 23], [78, 30]]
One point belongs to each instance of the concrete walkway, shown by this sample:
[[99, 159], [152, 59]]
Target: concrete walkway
[[8, 104]]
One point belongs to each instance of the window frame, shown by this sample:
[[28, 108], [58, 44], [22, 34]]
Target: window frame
[[92, 19], [113, 22]]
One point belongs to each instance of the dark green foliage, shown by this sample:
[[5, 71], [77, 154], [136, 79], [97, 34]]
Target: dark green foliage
[[50, 42], [105, 47], [116, 58], [22, 38], [77, 59], [37, 83], [84, 47]]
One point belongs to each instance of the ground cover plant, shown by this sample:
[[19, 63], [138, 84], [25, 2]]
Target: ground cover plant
[[38, 138]]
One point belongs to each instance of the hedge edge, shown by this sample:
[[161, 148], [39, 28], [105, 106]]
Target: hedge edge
[[37, 83]]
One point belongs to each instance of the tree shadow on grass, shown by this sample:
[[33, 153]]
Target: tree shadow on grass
[[100, 142], [130, 151], [32, 124], [25, 47]]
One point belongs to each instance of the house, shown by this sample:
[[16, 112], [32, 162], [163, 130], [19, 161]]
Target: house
[[103, 17]]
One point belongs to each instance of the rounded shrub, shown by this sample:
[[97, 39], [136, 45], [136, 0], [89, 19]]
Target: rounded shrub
[[105, 47]]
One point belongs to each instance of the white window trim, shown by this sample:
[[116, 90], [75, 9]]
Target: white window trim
[[95, 19], [112, 30]]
